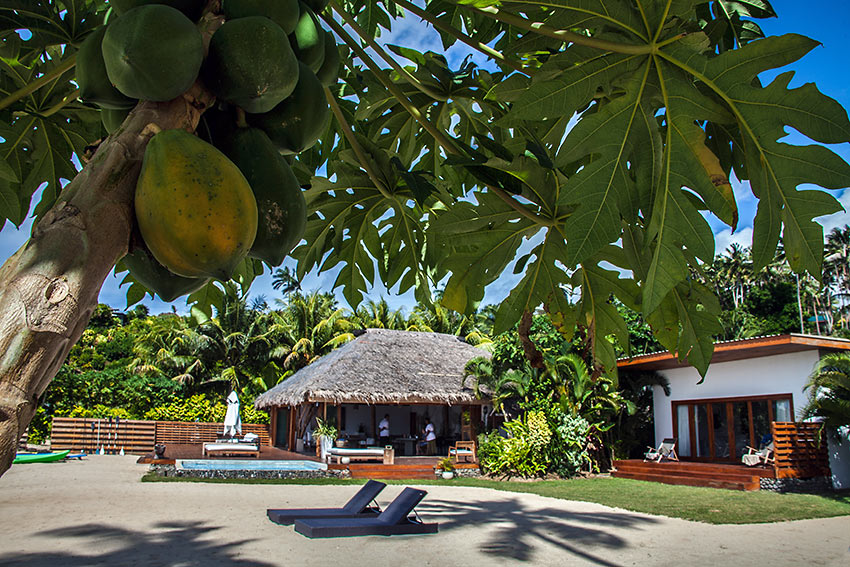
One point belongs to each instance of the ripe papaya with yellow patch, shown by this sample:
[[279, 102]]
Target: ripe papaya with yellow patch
[[328, 73], [194, 208], [152, 52], [282, 210], [147, 271], [94, 83], [308, 40], [284, 13], [296, 124], [190, 8], [237, 72], [112, 119]]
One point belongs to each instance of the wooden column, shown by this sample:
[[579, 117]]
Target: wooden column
[[375, 423], [339, 417]]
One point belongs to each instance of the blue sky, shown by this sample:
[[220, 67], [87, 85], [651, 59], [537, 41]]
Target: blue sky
[[825, 21]]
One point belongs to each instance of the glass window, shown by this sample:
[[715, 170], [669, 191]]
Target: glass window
[[684, 432], [701, 430], [741, 427], [761, 423], [782, 410], [721, 431]]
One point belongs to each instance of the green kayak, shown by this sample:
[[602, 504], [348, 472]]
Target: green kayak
[[40, 457]]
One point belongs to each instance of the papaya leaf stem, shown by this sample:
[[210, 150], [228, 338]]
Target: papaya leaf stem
[[455, 33], [564, 35], [365, 163], [439, 136], [33, 86], [370, 41], [66, 100]]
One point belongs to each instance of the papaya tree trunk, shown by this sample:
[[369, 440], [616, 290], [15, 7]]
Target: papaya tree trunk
[[49, 288]]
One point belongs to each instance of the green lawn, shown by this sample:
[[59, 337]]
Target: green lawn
[[710, 505]]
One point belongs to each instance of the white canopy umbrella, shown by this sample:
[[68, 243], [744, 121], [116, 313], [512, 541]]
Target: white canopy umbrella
[[232, 421]]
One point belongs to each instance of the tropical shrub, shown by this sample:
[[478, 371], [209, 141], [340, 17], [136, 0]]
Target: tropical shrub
[[99, 411], [568, 451], [199, 408], [522, 453]]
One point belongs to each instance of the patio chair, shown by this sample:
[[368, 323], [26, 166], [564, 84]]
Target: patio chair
[[763, 456], [358, 505], [667, 450], [465, 449], [394, 520]]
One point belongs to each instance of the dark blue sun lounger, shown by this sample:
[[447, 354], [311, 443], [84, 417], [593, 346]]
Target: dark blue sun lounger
[[392, 521], [357, 506]]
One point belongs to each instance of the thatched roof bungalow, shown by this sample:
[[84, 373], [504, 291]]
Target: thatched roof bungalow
[[407, 375]]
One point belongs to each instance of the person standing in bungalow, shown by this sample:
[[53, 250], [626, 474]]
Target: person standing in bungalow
[[430, 438], [384, 431]]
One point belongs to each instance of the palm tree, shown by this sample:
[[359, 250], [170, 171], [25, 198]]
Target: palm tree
[[286, 281], [501, 388], [378, 315], [836, 269], [829, 391]]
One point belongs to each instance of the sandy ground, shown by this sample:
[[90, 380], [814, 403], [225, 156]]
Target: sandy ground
[[96, 512]]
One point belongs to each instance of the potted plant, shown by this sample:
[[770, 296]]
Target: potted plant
[[447, 466], [326, 434]]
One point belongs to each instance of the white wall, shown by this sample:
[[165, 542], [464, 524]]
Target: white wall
[[777, 374]]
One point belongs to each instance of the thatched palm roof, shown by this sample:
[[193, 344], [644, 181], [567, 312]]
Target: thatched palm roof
[[381, 367]]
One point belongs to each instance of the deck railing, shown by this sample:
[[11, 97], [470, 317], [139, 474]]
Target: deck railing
[[137, 436], [800, 449]]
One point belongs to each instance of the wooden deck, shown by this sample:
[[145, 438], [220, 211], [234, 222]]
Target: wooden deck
[[405, 468], [714, 475]]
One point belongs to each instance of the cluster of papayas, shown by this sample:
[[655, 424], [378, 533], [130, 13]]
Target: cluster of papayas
[[205, 201]]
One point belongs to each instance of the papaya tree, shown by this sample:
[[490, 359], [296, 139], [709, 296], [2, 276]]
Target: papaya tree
[[601, 130]]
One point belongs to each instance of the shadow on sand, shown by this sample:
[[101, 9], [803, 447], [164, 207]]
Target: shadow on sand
[[173, 544], [513, 529]]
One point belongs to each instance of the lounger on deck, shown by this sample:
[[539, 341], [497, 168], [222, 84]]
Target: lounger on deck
[[665, 451], [233, 449], [357, 506], [392, 521], [384, 454]]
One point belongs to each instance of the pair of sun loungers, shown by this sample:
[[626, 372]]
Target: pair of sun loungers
[[358, 517]]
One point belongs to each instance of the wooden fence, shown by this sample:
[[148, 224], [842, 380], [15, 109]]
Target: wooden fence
[[801, 450], [137, 436]]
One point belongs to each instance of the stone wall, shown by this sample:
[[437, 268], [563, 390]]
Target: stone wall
[[172, 471], [817, 484]]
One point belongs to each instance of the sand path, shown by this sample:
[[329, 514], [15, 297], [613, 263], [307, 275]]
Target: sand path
[[96, 512]]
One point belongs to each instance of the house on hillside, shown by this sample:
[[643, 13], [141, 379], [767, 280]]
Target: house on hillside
[[406, 375], [750, 384]]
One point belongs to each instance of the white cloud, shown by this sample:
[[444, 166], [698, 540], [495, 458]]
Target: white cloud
[[725, 238], [838, 219]]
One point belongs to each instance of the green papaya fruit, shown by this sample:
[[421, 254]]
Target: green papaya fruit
[[152, 52], [284, 13], [255, 80], [317, 5], [190, 8], [328, 73], [112, 119], [307, 40], [194, 208], [95, 86], [147, 271], [282, 210], [296, 123]]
